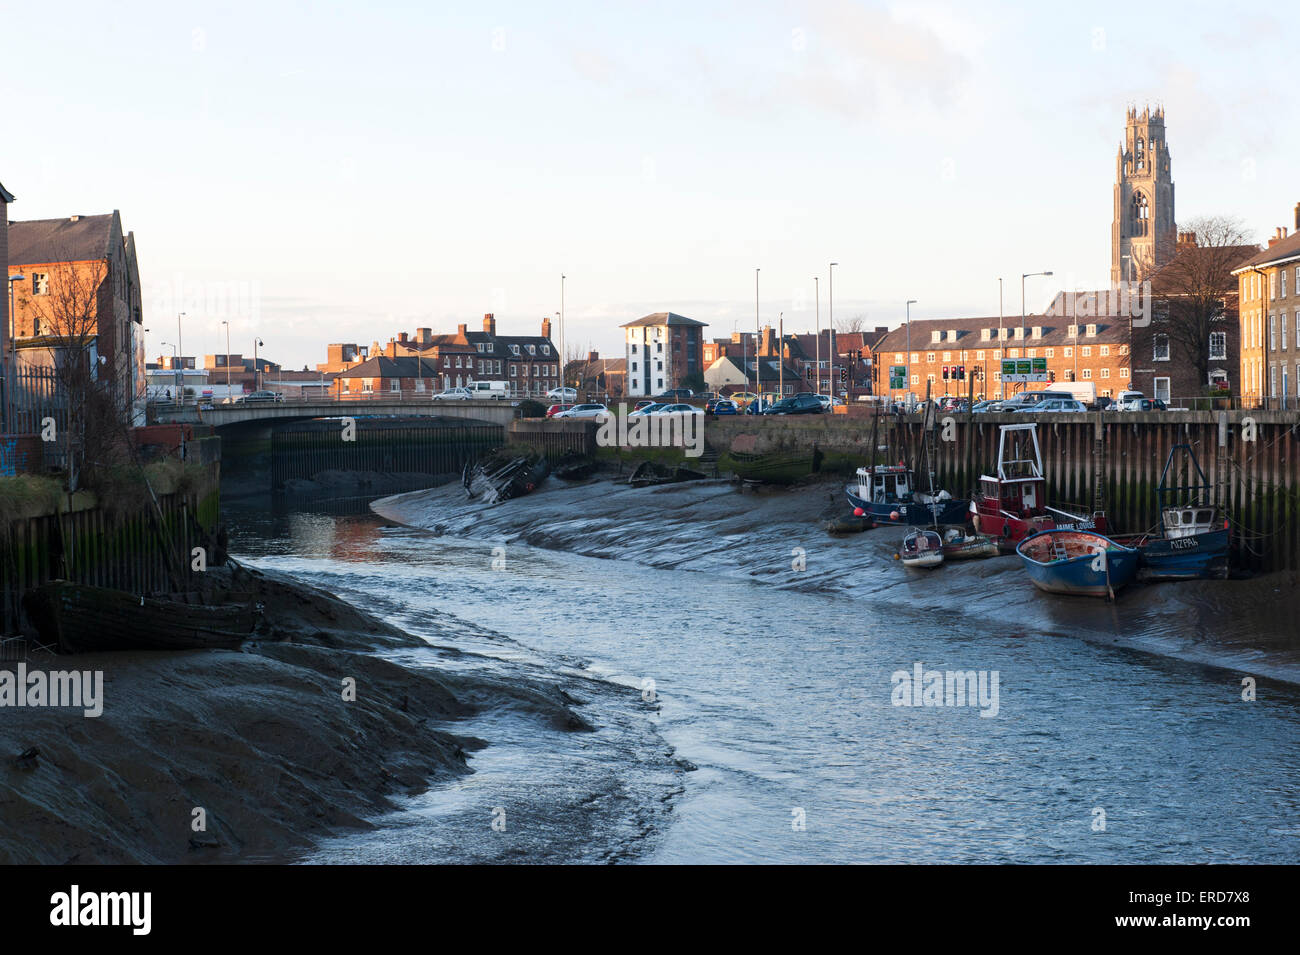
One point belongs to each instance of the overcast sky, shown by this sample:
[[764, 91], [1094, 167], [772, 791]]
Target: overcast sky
[[356, 170]]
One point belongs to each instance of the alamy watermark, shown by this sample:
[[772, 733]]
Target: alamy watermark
[[1122, 300], [922, 687], [684, 429], [59, 688]]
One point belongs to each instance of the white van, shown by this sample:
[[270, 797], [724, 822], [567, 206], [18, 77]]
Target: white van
[[489, 389]]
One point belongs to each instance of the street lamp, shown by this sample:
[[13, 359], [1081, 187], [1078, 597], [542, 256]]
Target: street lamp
[[830, 322], [180, 381], [907, 380], [257, 369], [757, 334], [817, 292], [13, 350], [563, 356], [227, 324], [1002, 391], [1026, 275]]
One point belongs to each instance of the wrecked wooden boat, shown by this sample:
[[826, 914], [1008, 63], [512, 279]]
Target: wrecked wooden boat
[[773, 468], [80, 618], [650, 473], [502, 476], [575, 468]]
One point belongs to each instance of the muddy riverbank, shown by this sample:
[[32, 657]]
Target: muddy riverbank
[[265, 746], [775, 536]]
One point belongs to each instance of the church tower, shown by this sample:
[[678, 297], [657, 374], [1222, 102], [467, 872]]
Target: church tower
[[1142, 232]]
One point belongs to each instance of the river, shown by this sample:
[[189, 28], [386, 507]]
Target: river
[[742, 718]]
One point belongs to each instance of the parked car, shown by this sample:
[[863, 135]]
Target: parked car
[[646, 408], [1103, 404], [707, 396], [589, 410], [1128, 400], [259, 396], [1150, 404], [563, 394], [489, 389], [1053, 405], [980, 407], [1026, 398], [724, 406], [553, 410], [797, 404], [674, 394], [643, 403], [757, 406], [453, 394]]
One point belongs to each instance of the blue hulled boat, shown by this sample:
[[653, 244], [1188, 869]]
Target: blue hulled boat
[[885, 493], [1193, 538], [1078, 562]]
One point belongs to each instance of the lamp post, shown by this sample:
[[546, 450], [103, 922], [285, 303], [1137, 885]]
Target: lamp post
[[227, 324], [563, 356], [1028, 275], [180, 380], [780, 353], [830, 321], [907, 380], [817, 293], [757, 334], [1002, 385], [13, 352], [257, 368]]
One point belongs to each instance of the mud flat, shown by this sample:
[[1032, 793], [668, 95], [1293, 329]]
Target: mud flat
[[261, 740], [776, 537]]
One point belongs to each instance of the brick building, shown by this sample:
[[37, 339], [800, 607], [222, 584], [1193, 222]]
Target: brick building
[[1268, 286], [663, 349], [81, 281], [1074, 349]]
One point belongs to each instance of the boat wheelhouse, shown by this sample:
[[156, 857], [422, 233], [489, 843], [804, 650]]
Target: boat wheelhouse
[[1012, 504], [886, 493], [1193, 538]]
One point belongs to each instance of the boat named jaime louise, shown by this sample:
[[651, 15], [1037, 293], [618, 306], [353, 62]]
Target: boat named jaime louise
[[885, 493], [1078, 562], [1193, 537], [1012, 504]]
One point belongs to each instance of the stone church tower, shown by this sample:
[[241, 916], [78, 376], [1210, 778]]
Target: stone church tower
[[1143, 232]]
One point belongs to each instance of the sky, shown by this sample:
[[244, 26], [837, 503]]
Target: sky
[[340, 172]]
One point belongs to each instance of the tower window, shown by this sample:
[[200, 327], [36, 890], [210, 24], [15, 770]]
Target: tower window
[[1141, 214]]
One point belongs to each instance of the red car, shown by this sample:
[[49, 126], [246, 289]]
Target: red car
[[553, 410]]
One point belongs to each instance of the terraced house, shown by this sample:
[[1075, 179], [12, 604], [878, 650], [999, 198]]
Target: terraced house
[[1269, 293], [663, 350]]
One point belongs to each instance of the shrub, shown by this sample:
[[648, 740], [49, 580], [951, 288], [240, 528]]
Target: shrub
[[528, 408]]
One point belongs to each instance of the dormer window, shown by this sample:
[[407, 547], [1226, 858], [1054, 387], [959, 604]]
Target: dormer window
[[986, 334], [1002, 334], [936, 336], [1072, 331], [1020, 334], [514, 349], [546, 349], [1091, 331], [1036, 331], [532, 349]]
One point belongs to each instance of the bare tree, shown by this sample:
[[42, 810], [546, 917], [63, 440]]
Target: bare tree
[[76, 317], [852, 325], [1195, 292]]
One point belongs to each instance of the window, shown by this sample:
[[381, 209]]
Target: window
[[1091, 331], [1272, 332], [546, 349], [1069, 352], [947, 356], [1272, 381], [1283, 295], [1087, 351], [1013, 352], [1105, 373], [1105, 350], [1284, 331], [513, 369], [1218, 346], [1141, 210], [916, 359], [395, 385], [898, 358], [1272, 286], [1160, 348], [1072, 331], [634, 366], [1031, 352], [986, 334], [997, 354], [40, 283], [1086, 373], [916, 379], [1123, 349], [1161, 389], [1123, 372], [514, 349], [532, 349], [633, 349], [446, 361], [1051, 353], [979, 355], [936, 336]]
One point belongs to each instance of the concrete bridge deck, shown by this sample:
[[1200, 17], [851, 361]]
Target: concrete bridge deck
[[500, 412]]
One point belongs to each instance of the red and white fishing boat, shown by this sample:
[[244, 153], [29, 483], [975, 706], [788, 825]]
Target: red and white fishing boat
[[1012, 504]]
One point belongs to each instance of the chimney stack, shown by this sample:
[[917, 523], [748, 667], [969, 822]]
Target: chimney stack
[[425, 335], [461, 330], [1297, 216], [593, 356], [546, 328], [401, 337], [490, 323]]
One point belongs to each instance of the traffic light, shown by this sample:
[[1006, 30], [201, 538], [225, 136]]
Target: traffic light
[[961, 372], [1051, 376], [945, 372]]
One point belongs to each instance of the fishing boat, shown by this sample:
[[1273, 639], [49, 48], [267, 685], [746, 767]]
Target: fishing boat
[[79, 618], [961, 544], [1012, 504], [1193, 537], [1078, 562], [886, 494], [921, 548]]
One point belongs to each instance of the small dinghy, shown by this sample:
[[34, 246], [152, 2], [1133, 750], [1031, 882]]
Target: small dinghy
[[1078, 562], [959, 544], [922, 549]]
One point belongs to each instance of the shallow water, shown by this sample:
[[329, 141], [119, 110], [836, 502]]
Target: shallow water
[[781, 696]]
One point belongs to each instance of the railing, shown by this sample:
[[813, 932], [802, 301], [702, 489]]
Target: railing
[[410, 396]]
